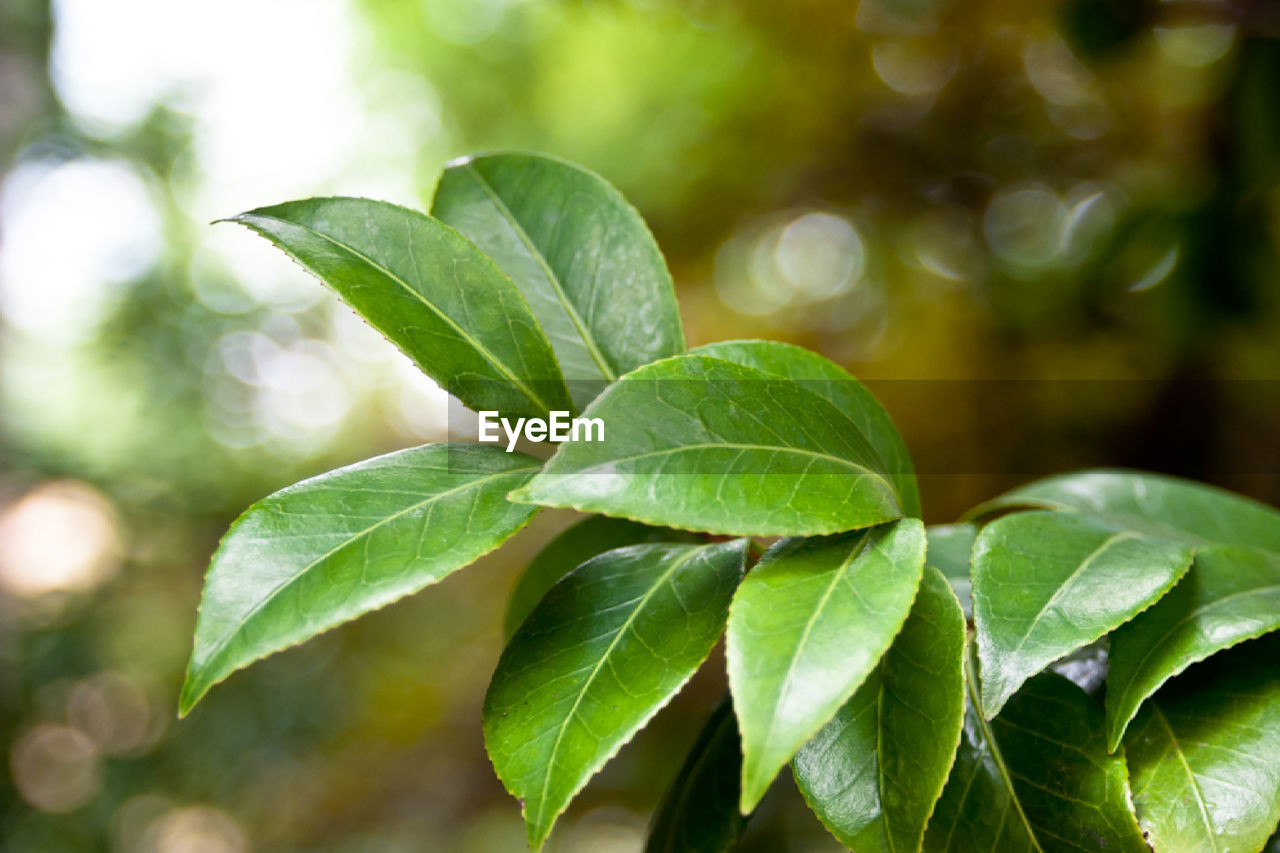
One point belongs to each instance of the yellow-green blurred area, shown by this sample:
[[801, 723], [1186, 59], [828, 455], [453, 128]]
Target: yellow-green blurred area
[[1047, 232]]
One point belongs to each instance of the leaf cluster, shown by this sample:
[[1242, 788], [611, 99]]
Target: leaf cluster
[[910, 677]]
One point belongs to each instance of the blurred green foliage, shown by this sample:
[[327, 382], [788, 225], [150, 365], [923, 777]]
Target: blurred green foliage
[[1047, 234]]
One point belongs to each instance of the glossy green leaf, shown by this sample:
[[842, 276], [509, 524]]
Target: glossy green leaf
[[1229, 596], [1046, 583], [603, 651], [833, 383], [571, 549], [699, 812], [807, 627], [950, 550], [873, 774], [700, 443], [328, 549], [579, 253], [430, 292], [1204, 754], [1036, 778], [1152, 504]]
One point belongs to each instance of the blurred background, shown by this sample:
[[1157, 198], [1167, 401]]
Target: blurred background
[[1045, 233]]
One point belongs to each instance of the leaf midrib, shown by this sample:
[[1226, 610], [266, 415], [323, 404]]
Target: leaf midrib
[[881, 782], [553, 279], [836, 577], [998, 757], [277, 590], [1194, 614], [708, 445], [1191, 776], [1058, 593], [595, 671], [1143, 526], [449, 321]]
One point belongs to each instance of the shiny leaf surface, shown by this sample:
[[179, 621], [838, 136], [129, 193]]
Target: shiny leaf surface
[[699, 813], [579, 253], [873, 774], [1204, 754], [328, 549], [807, 627], [950, 550], [1152, 504], [603, 651], [700, 443], [1036, 778], [571, 549], [1229, 596], [833, 383], [1046, 583], [430, 292]]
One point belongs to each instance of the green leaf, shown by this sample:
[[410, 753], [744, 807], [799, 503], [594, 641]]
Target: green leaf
[[1047, 583], [579, 253], [1036, 778], [430, 292], [329, 549], [951, 547], [607, 647], [1204, 754], [571, 549], [1229, 596], [700, 443], [1152, 504], [807, 627], [950, 550], [699, 813], [833, 383], [873, 774]]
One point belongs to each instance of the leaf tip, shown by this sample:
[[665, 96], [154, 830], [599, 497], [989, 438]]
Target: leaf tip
[[521, 495], [752, 792], [191, 694]]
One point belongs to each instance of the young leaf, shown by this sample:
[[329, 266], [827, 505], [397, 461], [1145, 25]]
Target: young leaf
[[579, 253], [571, 549], [873, 774], [1204, 754], [430, 291], [699, 813], [806, 628], [1152, 504], [328, 549], [832, 382], [1230, 595], [1047, 583], [700, 443], [603, 651], [950, 550], [1036, 778]]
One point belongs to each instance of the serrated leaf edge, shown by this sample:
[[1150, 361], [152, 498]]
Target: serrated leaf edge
[[529, 394], [188, 698], [806, 794], [535, 843], [743, 806], [991, 714]]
